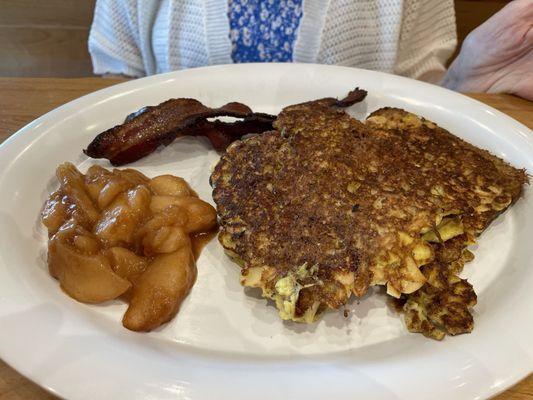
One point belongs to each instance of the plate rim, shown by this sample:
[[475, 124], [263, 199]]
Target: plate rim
[[120, 88]]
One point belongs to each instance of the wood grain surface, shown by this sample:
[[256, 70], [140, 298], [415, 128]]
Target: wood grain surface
[[45, 37], [24, 99]]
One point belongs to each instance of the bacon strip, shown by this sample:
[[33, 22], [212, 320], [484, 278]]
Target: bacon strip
[[151, 127], [145, 130], [355, 96]]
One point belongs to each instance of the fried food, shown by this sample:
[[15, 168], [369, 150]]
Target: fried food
[[143, 132], [443, 305], [327, 206], [107, 239]]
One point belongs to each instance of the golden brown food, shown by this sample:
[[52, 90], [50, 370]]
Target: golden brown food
[[75, 259], [125, 263], [118, 222], [443, 305], [120, 234], [159, 291], [168, 185], [327, 206]]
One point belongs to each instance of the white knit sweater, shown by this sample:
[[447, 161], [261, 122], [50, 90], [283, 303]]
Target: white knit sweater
[[144, 37]]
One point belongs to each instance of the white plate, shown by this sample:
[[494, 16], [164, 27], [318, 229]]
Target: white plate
[[226, 343]]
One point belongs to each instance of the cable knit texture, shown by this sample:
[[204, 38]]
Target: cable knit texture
[[427, 37], [370, 26], [186, 41], [143, 37], [114, 39]]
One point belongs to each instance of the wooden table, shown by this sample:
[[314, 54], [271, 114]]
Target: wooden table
[[24, 99]]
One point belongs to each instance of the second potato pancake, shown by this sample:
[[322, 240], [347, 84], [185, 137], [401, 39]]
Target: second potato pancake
[[326, 206]]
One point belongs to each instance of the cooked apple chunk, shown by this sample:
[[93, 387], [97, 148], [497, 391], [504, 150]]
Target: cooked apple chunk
[[121, 234]]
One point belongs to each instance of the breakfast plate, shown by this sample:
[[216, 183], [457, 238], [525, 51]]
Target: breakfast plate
[[225, 342]]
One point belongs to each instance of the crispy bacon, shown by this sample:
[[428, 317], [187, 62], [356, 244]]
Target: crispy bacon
[[145, 130], [151, 127], [355, 96]]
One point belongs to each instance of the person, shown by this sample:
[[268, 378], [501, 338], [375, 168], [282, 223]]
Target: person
[[497, 57], [413, 38]]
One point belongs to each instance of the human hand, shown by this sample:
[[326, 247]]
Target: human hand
[[497, 57]]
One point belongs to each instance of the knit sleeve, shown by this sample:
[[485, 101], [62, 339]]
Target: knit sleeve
[[427, 38], [114, 38]]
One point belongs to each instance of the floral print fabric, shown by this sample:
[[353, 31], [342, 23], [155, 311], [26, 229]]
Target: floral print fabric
[[263, 30]]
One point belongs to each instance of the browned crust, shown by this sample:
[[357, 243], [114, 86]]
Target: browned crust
[[458, 166], [285, 199]]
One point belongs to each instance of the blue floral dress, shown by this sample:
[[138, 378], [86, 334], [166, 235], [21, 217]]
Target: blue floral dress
[[263, 30]]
